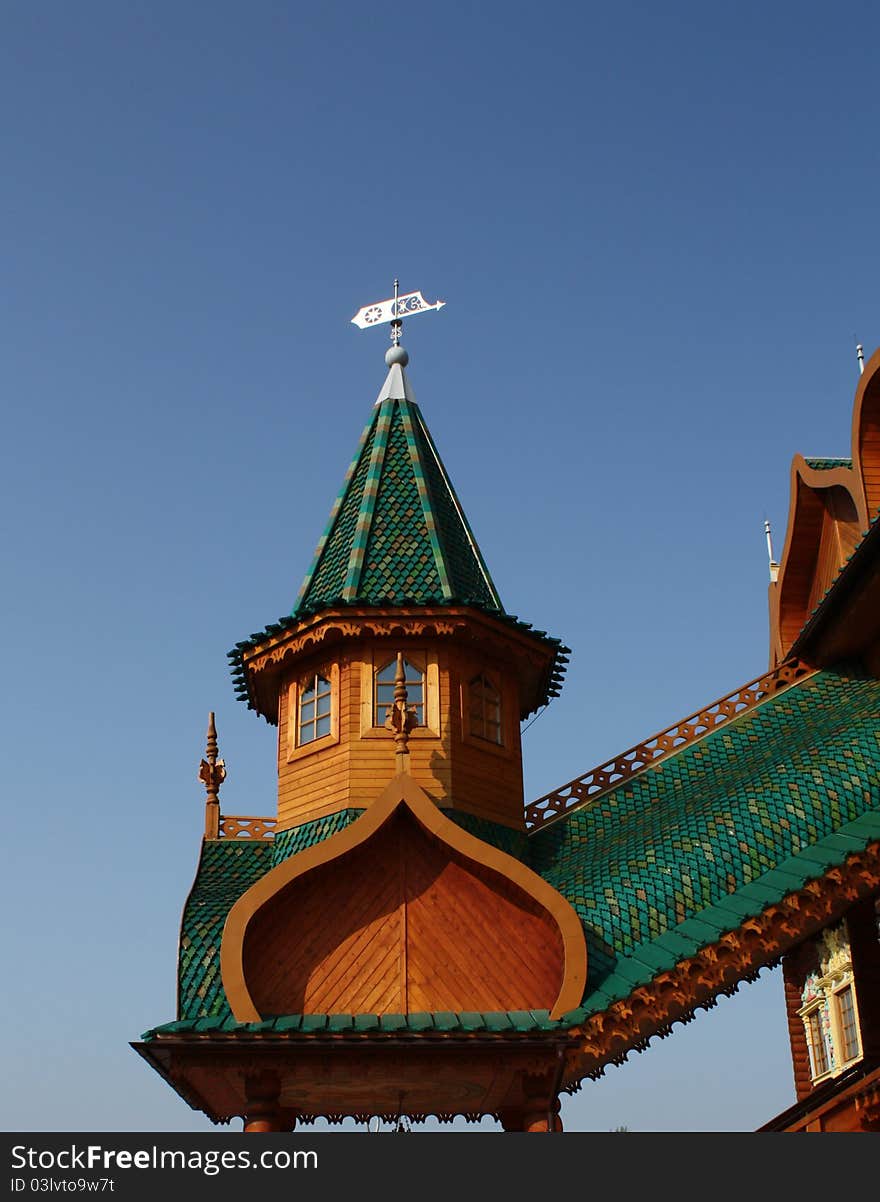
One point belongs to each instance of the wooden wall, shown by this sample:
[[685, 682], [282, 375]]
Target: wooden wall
[[352, 768], [795, 967], [402, 923], [869, 443]]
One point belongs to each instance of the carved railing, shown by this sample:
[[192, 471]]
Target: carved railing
[[688, 730], [243, 826]]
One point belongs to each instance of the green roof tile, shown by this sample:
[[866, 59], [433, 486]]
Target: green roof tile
[[392, 1022], [420, 1022], [227, 868], [667, 862], [445, 1020]]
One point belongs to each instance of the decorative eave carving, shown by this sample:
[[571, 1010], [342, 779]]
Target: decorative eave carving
[[674, 995], [264, 663]]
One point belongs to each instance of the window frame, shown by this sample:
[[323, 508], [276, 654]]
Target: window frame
[[411, 670], [821, 998], [838, 1025], [506, 749], [487, 681], [296, 749], [425, 660]]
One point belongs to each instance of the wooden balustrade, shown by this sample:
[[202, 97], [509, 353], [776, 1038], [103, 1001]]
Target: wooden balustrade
[[244, 826]]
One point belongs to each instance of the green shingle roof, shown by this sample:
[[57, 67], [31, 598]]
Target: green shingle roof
[[397, 533], [227, 869], [446, 1022], [656, 869], [670, 860]]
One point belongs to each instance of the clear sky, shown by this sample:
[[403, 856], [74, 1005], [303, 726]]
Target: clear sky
[[655, 228]]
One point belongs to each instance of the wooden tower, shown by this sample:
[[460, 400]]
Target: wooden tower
[[405, 936]]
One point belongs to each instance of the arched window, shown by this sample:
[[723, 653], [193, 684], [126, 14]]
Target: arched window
[[383, 690], [313, 719], [484, 709]]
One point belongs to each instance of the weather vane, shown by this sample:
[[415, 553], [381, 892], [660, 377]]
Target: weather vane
[[394, 310]]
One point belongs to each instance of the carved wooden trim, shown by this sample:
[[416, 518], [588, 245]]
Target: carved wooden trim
[[331, 626], [584, 789], [243, 826], [674, 995], [401, 790]]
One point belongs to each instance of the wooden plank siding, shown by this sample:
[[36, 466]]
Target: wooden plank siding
[[445, 759], [869, 449], [403, 923], [825, 532], [839, 535]]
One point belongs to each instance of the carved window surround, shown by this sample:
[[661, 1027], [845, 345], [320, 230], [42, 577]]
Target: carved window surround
[[828, 995]]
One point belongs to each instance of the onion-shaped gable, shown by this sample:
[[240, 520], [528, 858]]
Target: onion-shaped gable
[[834, 502], [825, 521], [401, 912]]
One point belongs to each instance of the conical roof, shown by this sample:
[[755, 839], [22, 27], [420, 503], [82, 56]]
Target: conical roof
[[397, 533]]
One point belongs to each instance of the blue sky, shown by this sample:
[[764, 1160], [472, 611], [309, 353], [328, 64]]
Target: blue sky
[[653, 227]]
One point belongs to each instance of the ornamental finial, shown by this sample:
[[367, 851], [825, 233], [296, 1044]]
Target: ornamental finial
[[400, 718], [212, 774]]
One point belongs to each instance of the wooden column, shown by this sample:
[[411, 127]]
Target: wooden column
[[264, 1112], [793, 973], [538, 1112]]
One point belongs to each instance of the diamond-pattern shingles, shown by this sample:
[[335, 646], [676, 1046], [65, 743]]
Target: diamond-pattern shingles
[[397, 532], [717, 816], [467, 576], [399, 560], [227, 868], [328, 574]]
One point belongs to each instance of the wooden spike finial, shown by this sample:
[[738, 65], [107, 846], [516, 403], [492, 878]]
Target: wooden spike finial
[[212, 774], [401, 718]]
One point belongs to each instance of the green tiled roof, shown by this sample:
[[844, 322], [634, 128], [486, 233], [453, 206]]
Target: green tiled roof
[[447, 1022], [825, 465], [514, 843], [668, 861], [397, 533], [297, 838], [227, 868], [656, 869]]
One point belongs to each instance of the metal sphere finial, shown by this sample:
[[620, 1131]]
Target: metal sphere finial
[[396, 354]]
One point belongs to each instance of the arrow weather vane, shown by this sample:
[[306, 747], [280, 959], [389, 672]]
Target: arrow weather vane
[[394, 310]]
